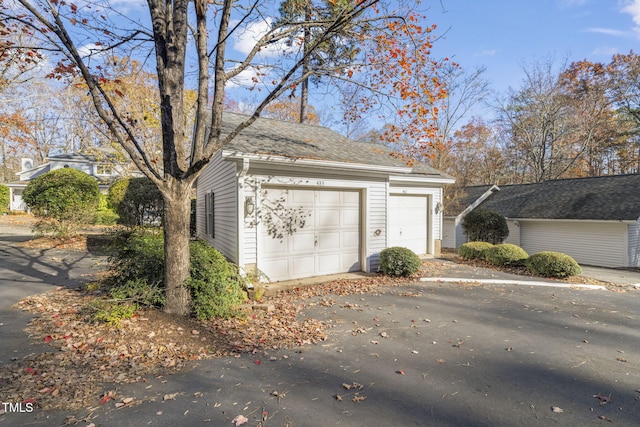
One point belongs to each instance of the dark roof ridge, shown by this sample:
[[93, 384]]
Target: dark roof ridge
[[561, 180], [282, 121]]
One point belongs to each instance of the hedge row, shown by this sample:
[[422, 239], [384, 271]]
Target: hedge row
[[546, 264]]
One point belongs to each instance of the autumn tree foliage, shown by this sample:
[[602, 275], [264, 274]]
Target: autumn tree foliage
[[406, 84], [189, 44]]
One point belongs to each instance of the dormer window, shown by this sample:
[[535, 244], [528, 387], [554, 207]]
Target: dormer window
[[104, 170]]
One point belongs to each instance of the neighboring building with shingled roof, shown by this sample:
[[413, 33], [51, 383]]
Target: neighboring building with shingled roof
[[596, 220]]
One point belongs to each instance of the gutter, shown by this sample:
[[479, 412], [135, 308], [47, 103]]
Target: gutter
[[269, 158], [422, 178], [476, 203]]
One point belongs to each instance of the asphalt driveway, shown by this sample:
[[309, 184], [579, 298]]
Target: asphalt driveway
[[424, 354]]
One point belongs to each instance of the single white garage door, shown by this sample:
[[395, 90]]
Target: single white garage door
[[589, 243], [408, 222], [326, 241]]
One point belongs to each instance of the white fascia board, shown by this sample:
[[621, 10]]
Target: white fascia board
[[269, 158], [476, 203], [602, 221], [420, 179]]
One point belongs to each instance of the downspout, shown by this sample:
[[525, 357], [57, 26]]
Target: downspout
[[240, 215]]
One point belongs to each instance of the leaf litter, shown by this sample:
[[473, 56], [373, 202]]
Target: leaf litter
[[86, 356]]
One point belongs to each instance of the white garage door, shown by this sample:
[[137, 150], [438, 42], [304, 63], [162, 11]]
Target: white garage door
[[325, 238], [408, 222], [589, 243]]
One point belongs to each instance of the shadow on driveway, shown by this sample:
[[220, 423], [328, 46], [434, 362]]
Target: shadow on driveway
[[25, 271]]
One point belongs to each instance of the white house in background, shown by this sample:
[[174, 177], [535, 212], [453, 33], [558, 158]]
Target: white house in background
[[103, 170], [594, 220], [294, 201]]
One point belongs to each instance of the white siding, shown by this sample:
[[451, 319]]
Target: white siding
[[589, 243], [634, 245], [220, 178], [376, 219], [449, 233], [514, 233]]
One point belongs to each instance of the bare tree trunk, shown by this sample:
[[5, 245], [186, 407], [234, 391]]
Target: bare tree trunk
[[304, 89], [176, 247]]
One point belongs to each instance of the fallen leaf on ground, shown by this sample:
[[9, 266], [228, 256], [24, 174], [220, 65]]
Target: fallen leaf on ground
[[239, 420]]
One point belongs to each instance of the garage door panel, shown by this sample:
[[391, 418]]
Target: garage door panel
[[329, 241], [275, 247], [351, 239], [329, 217], [350, 217], [329, 198], [302, 266], [300, 197], [351, 198], [277, 268], [302, 242]]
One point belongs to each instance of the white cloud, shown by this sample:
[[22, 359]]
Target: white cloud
[[606, 31], [605, 51], [632, 7], [90, 49], [245, 39]]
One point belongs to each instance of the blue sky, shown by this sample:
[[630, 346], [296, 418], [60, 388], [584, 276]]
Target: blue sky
[[504, 35]]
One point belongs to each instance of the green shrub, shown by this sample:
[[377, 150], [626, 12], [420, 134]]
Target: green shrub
[[506, 254], [216, 285], [552, 264], [104, 214], [4, 199], [137, 201], [64, 199], [481, 225], [137, 261], [475, 250], [138, 264], [110, 312], [397, 261]]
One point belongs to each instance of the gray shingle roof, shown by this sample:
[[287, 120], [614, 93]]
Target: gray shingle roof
[[613, 198], [303, 141]]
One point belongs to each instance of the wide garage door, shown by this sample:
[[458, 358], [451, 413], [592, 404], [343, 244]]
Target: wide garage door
[[309, 232], [589, 243], [408, 222]]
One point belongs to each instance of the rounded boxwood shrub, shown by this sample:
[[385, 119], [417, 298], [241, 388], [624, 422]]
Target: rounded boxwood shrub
[[552, 264], [137, 201], [64, 199], [474, 250], [481, 225], [398, 261], [506, 254]]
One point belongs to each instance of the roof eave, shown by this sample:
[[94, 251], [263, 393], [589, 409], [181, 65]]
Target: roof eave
[[418, 178], [328, 164]]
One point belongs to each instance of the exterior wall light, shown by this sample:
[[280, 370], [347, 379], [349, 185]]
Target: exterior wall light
[[249, 206]]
